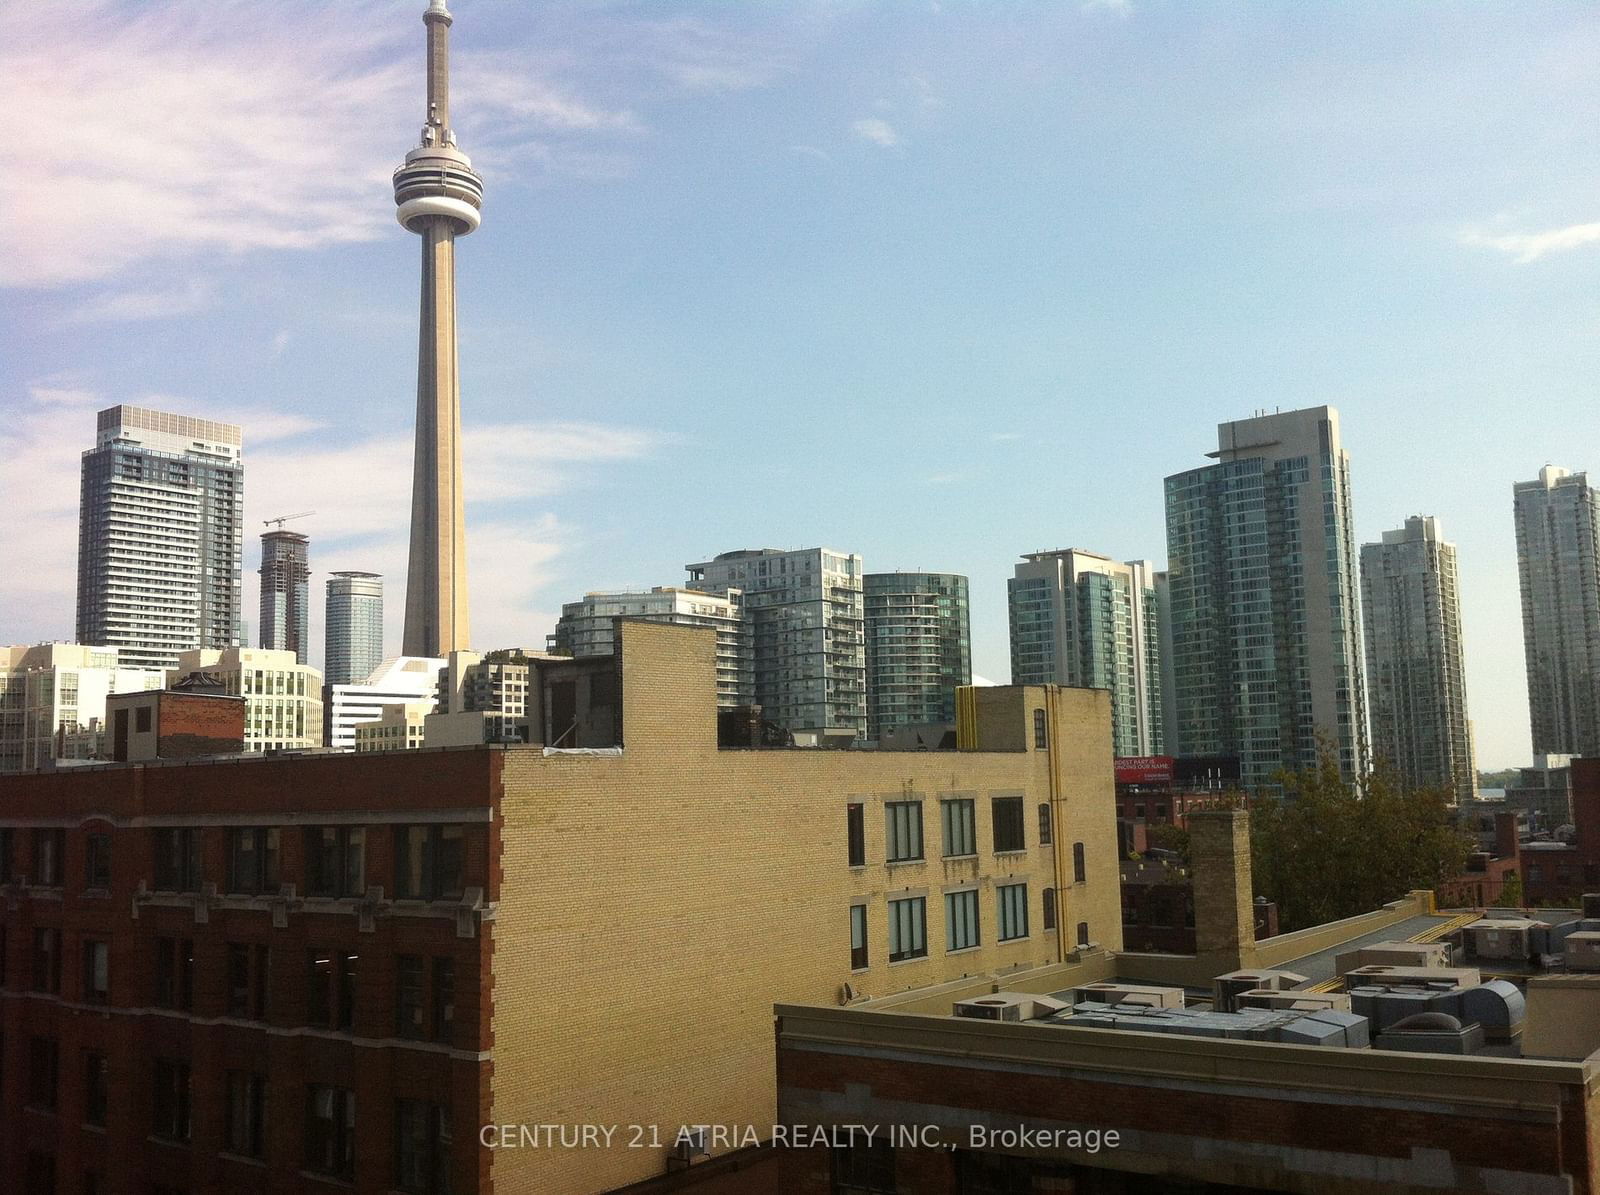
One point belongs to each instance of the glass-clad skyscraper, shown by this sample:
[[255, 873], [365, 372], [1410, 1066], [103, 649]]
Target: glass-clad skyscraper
[[1082, 619], [1411, 607], [1264, 600], [919, 648], [285, 592], [352, 627], [1558, 562], [160, 535]]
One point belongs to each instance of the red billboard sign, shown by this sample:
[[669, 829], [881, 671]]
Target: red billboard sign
[[1144, 769]]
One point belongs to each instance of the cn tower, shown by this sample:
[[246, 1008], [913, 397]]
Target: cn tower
[[438, 196]]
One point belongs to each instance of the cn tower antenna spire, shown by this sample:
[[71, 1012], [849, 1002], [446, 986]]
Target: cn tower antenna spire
[[438, 196]]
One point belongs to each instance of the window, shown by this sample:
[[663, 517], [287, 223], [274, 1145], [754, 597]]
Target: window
[[1008, 829], [247, 1114], [253, 860], [409, 1011], [178, 859], [247, 979], [858, 937], [175, 973], [48, 848], [421, 1147], [5, 856], [864, 1169], [330, 1131], [908, 928], [903, 830], [1044, 825], [960, 838], [961, 920], [856, 830], [336, 860], [1083, 933], [429, 862], [95, 1087], [1078, 872], [47, 960], [170, 1107], [330, 988], [97, 861], [96, 972], [444, 998], [1041, 737], [43, 1061], [1013, 901], [1049, 907]]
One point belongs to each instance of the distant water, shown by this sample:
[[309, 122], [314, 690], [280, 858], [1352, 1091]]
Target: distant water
[[1491, 794]]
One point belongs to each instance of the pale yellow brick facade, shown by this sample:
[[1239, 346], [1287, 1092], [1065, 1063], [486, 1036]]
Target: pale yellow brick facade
[[656, 903]]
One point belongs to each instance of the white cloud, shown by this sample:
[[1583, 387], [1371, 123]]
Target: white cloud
[[876, 131], [280, 342], [1525, 247], [130, 305], [157, 131]]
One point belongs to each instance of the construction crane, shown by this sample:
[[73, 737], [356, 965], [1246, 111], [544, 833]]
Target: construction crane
[[284, 519]]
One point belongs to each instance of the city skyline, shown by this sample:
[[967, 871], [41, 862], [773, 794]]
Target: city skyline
[[587, 384]]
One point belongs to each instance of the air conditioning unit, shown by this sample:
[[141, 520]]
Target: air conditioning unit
[[1226, 989], [1127, 993], [1502, 937], [1436, 978], [1292, 1001], [1008, 1006], [1394, 954], [690, 1144], [1583, 950]]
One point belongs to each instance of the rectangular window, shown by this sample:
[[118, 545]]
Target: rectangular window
[[43, 1072], [1078, 872], [336, 860], [331, 1131], [170, 1107], [1049, 907], [960, 836], [49, 847], [429, 862], [1008, 828], [1041, 737], [856, 832], [97, 861], [409, 1011], [903, 830], [5, 856], [1044, 825], [253, 860], [444, 999], [1083, 933], [908, 928], [858, 937], [141, 719], [175, 973], [960, 920], [96, 972], [864, 1169], [247, 1114], [47, 960], [421, 1147], [178, 859], [1013, 903], [95, 1088]]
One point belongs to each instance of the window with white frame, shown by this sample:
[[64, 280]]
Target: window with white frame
[[959, 835], [908, 928], [903, 830], [1013, 905], [961, 919]]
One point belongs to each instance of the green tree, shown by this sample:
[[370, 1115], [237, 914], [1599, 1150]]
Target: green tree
[[1167, 837], [1510, 891], [1329, 848]]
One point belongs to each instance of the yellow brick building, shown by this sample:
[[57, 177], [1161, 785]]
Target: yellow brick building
[[656, 901]]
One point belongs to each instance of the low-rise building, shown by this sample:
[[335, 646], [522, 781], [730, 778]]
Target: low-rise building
[[401, 727], [283, 698], [397, 681], [335, 967], [53, 701]]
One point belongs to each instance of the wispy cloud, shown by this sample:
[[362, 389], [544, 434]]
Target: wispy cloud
[[217, 126], [1523, 247], [131, 305], [812, 152], [876, 131]]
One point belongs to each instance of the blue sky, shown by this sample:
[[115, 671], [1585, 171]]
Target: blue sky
[[940, 283]]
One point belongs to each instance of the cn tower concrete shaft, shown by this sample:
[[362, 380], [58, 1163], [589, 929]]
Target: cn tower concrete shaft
[[438, 197]]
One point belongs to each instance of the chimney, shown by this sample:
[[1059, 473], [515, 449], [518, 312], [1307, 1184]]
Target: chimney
[[1506, 843], [1586, 807], [1224, 897]]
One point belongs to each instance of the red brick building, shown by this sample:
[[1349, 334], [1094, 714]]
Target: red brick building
[[194, 1000], [1560, 873]]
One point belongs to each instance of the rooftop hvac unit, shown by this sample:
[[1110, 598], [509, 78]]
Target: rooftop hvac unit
[[1008, 1006], [1226, 989], [1294, 1001], [1583, 950], [1394, 954], [1436, 978], [1126, 993], [1509, 938]]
